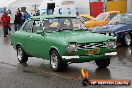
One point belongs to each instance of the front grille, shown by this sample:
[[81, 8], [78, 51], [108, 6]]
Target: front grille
[[91, 45]]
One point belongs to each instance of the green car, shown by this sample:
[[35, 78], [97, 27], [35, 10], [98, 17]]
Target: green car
[[62, 40]]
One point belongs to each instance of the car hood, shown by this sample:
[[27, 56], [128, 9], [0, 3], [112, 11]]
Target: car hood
[[79, 36], [107, 28], [91, 22]]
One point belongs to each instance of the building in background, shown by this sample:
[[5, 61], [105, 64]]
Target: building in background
[[56, 6], [93, 7], [129, 5], [117, 5], [64, 6], [83, 6]]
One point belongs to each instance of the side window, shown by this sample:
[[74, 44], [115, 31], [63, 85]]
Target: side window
[[50, 25], [37, 26], [129, 18], [64, 24], [76, 24], [112, 15], [28, 26], [84, 18]]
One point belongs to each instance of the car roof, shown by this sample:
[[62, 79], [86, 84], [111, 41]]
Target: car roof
[[112, 12], [51, 16]]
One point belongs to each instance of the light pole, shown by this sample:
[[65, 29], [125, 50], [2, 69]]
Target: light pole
[[105, 3]]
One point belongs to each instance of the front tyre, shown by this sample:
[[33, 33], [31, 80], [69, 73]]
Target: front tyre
[[21, 55], [103, 63], [56, 62]]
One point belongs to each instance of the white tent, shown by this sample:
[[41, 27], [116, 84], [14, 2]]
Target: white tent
[[1, 5], [5, 3], [29, 5]]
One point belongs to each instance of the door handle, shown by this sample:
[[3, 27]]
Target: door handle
[[29, 36]]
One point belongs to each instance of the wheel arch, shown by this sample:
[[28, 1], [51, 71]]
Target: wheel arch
[[127, 32], [53, 48], [18, 45], [61, 49], [124, 39], [122, 34]]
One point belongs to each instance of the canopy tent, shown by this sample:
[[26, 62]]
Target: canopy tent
[[5, 3], [2, 5]]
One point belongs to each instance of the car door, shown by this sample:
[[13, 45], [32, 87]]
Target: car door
[[37, 40], [26, 35]]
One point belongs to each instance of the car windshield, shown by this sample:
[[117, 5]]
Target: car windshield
[[83, 19], [101, 16], [59, 24], [121, 18]]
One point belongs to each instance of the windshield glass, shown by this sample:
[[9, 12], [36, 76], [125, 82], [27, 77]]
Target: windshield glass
[[84, 19], [121, 18], [101, 16], [56, 24]]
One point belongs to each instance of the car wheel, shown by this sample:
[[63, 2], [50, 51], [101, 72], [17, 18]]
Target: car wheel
[[127, 40], [21, 55], [56, 62], [103, 63]]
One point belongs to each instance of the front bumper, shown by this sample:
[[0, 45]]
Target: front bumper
[[88, 58], [111, 54]]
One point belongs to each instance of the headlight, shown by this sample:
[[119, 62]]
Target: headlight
[[110, 44], [112, 34], [107, 34], [71, 47]]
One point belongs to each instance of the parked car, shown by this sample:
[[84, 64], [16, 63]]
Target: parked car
[[61, 39], [120, 27], [86, 17], [102, 19]]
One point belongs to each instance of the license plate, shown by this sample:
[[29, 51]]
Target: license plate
[[93, 51]]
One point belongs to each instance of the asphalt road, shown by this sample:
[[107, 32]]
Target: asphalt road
[[37, 73]]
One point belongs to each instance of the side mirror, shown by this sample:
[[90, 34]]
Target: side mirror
[[41, 32]]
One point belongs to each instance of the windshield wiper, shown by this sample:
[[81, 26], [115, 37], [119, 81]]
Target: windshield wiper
[[81, 30], [63, 30]]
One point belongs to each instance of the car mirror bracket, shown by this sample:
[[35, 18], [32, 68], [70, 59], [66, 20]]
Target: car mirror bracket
[[41, 32]]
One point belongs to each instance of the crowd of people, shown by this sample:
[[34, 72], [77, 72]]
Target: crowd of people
[[20, 18]]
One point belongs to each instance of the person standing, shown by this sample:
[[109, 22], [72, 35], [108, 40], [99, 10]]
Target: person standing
[[23, 18], [18, 20], [5, 21], [27, 15], [9, 23]]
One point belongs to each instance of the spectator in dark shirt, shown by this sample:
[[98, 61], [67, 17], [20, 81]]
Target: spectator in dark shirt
[[18, 20]]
